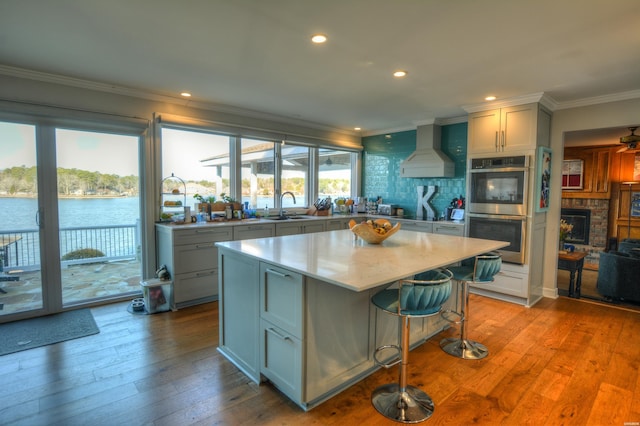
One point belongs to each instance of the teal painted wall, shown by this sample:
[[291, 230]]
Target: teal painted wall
[[381, 168]]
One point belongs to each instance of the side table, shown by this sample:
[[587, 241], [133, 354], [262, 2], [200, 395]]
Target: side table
[[573, 262]]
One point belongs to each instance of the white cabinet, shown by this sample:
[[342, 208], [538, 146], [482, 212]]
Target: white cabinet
[[191, 258], [297, 226], [448, 229], [503, 130], [281, 328], [247, 232], [239, 311]]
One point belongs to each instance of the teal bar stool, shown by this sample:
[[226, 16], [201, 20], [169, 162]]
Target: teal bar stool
[[420, 297], [480, 270]]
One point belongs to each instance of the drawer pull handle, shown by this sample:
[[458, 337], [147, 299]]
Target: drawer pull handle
[[280, 335], [203, 246], [278, 273], [204, 274]]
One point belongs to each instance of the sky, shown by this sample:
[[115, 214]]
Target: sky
[[98, 152]]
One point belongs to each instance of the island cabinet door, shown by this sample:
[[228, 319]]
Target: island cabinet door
[[281, 297], [281, 328], [239, 311], [337, 342], [281, 360]]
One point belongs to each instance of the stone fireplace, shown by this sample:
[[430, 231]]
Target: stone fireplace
[[593, 214]]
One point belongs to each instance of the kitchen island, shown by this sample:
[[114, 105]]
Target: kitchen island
[[296, 310]]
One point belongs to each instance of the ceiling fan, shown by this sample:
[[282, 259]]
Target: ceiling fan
[[630, 141]]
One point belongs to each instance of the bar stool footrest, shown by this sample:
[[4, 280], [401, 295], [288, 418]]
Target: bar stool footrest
[[409, 406], [395, 361], [452, 316]]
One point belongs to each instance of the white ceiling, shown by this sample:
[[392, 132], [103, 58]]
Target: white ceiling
[[256, 55]]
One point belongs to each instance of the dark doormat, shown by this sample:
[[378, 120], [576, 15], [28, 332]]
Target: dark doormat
[[35, 332]]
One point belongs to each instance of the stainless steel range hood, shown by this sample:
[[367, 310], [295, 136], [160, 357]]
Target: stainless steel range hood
[[427, 160]]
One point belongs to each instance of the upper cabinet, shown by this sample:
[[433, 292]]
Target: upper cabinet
[[511, 129]]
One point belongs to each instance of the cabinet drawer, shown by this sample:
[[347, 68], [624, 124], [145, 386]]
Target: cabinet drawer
[[457, 230], [336, 225], [416, 226], [506, 282], [202, 235], [197, 285], [195, 257], [281, 298], [283, 229], [253, 231], [313, 227], [281, 360]]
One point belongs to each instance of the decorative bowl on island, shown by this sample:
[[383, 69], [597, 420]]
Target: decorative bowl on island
[[373, 231]]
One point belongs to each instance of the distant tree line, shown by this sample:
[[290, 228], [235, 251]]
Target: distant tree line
[[74, 182], [71, 182]]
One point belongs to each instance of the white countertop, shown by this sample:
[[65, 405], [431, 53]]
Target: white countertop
[[260, 221], [336, 257]]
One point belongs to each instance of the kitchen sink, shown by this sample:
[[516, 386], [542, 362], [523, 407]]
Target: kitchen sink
[[287, 217]]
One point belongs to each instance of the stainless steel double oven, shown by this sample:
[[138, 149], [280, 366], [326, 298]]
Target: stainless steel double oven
[[497, 202]]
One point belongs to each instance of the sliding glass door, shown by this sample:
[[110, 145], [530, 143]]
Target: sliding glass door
[[21, 286], [98, 198], [70, 221]]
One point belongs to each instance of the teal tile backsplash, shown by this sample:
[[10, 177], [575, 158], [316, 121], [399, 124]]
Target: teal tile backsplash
[[381, 168]]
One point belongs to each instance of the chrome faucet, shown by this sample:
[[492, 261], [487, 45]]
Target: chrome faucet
[[281, 197]]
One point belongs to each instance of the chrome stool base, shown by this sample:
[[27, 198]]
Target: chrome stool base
[[465, 349], [410, 406]]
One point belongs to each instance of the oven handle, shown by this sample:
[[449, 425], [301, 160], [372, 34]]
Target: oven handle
[[498, 216], [500, 170]]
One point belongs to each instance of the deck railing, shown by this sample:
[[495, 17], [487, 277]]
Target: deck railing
[[20, 249]]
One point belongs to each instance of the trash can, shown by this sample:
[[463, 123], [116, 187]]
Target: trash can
[[158, 295]]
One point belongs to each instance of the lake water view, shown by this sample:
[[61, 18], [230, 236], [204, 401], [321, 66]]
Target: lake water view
[[20, 213]]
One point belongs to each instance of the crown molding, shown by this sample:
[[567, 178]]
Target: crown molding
[[613, 97], [539, 97]]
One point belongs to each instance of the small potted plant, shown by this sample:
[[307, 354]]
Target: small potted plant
[[235, 205], [205, 203]]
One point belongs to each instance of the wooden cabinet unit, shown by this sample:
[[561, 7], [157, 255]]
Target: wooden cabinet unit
[[597, 169], [508, 129], [191, 258]]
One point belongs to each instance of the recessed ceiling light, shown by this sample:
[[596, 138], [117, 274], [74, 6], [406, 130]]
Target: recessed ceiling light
[[357, 128], [185, 94], [490, 98], [399, 73], [319, 38]]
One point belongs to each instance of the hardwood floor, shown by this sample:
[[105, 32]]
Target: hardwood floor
[[562, 361]]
